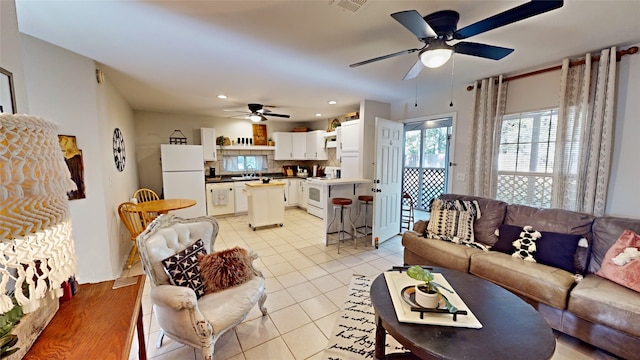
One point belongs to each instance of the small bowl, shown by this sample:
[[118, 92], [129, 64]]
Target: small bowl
[[265, 181]]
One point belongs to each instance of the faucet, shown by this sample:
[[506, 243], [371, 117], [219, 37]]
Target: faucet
[[247, 173]]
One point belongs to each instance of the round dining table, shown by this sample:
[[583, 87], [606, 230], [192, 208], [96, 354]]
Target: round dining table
[[163, 206]]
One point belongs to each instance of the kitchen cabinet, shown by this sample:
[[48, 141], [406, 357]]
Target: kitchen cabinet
[[339, 143], [350, 152], [266, 203], [220, 199], [290, 145], [315, 149], [241, 203], [208, 142], [293, 192], [303, 193]]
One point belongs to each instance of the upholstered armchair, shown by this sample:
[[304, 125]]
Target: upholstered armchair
[[198, 322]]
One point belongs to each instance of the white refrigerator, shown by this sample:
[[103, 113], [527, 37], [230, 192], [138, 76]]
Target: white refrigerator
[[183, 177]]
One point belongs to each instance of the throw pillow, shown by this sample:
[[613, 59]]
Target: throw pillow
[[627, 275], [525, 245], [224, 269], [507, 234], [182, 268], [453, 220], [557, 250]]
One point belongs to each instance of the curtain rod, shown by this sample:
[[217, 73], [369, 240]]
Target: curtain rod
[[619, 54]]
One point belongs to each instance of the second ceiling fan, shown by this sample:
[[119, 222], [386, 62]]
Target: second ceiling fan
[[435, 29]]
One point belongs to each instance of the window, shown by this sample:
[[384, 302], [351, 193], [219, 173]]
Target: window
[[245, 163], [525, 159]]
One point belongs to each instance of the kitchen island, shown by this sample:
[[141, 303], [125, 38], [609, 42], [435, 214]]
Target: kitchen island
[[349, 188], [266, 203]]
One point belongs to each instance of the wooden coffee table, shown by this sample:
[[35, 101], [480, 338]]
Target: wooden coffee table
[[511, 328]]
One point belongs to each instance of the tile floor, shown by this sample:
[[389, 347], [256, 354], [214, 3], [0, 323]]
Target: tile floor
[[306, 286]]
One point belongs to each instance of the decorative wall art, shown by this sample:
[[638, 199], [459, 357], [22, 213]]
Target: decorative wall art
[[259, 134], [7, 93], [119, 154], [73, 158]]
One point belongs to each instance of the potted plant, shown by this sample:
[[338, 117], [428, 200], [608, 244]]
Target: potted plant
[[428, 292], [270, 142]]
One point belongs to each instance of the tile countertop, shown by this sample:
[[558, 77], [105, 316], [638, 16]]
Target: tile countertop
[[228, 178], [340, 181], [261, 184]]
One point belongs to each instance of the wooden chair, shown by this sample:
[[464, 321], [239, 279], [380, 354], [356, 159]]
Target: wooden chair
[[406, 211], [143, 195], [135, 221]]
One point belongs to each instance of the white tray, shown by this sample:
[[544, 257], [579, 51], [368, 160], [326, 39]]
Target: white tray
[[396, 281]]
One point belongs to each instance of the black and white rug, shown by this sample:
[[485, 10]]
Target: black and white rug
[[354, 334]]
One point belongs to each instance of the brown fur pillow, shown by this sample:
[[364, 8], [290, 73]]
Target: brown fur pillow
[[224, 269]]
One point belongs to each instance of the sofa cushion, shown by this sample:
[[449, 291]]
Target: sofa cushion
[[627, 274], [555, 220], [224, 269], [437, 252], [453, 220], [493, 212], [606, 231], [182, 267], [542, 283], [602, 301]]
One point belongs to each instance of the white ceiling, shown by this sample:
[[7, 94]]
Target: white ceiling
[[177, 56]]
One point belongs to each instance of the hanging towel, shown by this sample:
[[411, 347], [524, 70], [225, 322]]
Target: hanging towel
[[220, 197]]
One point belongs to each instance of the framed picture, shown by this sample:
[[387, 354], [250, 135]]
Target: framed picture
[[259, 134], [7, 94], [73, 158]]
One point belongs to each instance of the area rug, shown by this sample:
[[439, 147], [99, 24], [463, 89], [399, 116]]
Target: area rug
[[354, 334]]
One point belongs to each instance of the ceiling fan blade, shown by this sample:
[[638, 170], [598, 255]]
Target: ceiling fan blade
[[414, 71], [532, 8], [481, 50], [277, 115], [384, 57], [414, 22]]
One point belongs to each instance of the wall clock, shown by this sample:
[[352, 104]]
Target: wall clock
[[119, 155]]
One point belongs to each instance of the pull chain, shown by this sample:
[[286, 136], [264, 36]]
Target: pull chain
[[416, 104], [453, 64]]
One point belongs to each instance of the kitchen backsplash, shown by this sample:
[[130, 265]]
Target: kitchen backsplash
[[275, 166]]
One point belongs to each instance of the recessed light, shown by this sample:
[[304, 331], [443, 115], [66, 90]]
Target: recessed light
[[318, 114], [222, 96], [332, 102]]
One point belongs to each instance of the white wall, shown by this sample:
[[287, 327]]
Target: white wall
[[541, 91], [61, 87]]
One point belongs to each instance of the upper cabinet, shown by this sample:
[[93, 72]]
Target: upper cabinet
[[350, 136], [299, 146], [208, 141], [315, 145]]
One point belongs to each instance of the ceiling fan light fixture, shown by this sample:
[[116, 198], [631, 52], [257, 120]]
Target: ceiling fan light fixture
[[436, 57], [255, 118]]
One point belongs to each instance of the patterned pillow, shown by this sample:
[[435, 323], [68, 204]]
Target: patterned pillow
[[225, 269], [525, 245], [453, 220], [182, 268]]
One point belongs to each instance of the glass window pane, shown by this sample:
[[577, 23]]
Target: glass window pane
[[412, 148]]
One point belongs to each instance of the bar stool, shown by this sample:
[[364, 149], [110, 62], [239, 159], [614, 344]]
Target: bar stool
[[366, 201], [342, 204]]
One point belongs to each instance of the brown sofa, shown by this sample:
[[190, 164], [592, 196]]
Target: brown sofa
[[595, 310]]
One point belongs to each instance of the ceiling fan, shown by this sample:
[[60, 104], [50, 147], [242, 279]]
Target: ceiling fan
[[435, 29], [258, 112]]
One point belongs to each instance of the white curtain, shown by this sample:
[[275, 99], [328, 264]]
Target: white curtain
[[490, 96], [585, 134]]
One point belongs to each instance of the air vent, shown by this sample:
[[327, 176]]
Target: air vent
[[350, 5]]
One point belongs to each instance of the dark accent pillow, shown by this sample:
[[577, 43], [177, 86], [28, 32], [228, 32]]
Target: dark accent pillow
[[225, 269], [557, 250], [507, 234], [182, 268]]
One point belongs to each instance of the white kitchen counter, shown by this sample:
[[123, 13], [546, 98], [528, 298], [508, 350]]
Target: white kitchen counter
[[339, 181]]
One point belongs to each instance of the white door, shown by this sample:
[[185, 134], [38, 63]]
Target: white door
[[388, 181]]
